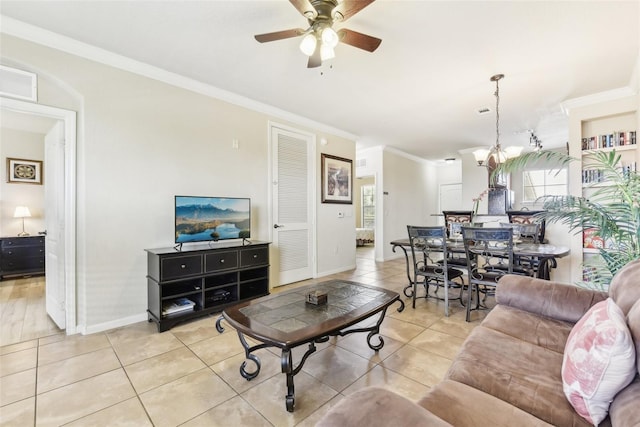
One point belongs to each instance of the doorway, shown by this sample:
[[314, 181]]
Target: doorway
[[60, 206], [292, 210], [365, 207]]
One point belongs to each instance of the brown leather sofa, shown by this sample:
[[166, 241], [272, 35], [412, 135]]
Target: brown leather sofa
[[508, 371]]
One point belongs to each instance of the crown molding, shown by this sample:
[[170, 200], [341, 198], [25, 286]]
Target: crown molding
[[22, 30], [406, 155], [596, 98]]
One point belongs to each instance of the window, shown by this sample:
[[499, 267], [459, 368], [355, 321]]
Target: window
[[543, 182], [368, 197]]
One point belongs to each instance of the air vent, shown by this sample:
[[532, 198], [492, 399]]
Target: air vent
[[18, 84], [483, 111], [361, 163]]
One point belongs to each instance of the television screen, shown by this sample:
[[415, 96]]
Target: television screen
[[212, 218]]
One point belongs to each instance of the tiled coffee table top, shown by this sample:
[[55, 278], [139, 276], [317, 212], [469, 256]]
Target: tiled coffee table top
[[289, 312], [286, 319]]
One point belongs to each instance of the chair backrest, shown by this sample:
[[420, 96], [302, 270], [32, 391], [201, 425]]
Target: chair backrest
[[529, 217], [425, 242], [494, 248], [456, 217], [529, 233]]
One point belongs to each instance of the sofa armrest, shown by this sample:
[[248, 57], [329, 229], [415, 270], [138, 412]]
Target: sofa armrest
[[555, 300], [377, 407]]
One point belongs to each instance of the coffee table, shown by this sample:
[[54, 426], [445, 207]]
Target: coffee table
[[284, 320]]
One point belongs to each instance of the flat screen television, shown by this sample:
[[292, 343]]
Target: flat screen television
[[200, 219]]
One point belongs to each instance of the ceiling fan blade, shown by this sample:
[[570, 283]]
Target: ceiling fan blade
[[279, 35], [359, 40], [315, 60], [305, 8], [348, 8]]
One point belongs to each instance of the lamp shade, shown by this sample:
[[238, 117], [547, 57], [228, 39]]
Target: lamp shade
[[513, 151], [481, 155], [22, 212]]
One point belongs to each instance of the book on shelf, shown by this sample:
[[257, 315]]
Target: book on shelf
[[591, 239], [597, 176], [609, 140], [178, 305]]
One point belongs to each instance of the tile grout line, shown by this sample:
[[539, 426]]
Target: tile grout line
[[128, 379]]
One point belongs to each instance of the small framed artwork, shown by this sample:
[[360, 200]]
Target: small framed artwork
[[21, 171], [337, 179]]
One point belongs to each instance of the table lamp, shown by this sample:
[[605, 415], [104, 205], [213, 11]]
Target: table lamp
[[22, 212]]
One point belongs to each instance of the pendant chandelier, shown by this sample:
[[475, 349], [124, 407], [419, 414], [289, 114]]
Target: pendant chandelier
[[496, 155]]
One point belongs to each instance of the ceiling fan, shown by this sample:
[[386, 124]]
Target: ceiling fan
[[320, 38]]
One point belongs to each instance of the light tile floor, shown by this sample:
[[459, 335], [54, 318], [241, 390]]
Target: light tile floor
[[189, 375]]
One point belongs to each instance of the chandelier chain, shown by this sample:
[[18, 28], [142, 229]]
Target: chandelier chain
[[497, 94]]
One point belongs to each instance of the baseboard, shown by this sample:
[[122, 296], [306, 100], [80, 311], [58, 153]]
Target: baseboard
[[118, 323], [336, 271], [391, 258]]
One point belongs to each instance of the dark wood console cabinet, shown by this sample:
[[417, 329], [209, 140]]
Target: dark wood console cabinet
[[21, 256], [210, 277]]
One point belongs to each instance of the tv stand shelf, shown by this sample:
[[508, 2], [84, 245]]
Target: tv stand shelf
[[210, 277]]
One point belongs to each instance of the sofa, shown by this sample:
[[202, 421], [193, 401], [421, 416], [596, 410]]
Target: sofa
[[509, 370]]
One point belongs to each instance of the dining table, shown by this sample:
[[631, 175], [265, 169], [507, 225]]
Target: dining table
[[545, 253]]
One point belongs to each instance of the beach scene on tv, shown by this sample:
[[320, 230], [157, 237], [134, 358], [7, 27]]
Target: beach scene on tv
[[212, 218]]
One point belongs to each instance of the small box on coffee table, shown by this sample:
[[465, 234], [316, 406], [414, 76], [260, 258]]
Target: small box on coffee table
[[317, 297]]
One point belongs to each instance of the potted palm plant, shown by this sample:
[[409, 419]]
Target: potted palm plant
[[611, 208]]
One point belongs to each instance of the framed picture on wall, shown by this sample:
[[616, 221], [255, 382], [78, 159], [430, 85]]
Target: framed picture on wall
[[337, 179], [21, 171]]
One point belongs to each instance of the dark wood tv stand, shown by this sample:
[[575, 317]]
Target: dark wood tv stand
[[212, 276]]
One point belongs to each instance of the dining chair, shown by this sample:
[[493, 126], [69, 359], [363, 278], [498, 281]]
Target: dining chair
[[524, 233], [453, 222], [430, 267], [529, 217], [493, 248], [456, 216]]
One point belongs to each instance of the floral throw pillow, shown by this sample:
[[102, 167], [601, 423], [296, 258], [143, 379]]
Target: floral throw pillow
[[599, 360]]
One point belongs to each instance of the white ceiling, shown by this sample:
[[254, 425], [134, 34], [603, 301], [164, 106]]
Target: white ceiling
[[419, 92]]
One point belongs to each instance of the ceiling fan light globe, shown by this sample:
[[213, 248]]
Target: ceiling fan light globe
[[326, 52], [330, 37], [308, 44]]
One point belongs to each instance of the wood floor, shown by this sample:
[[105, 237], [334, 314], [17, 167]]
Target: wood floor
[[23, 314]]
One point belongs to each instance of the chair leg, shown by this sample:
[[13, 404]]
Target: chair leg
[[446, 296], [415, 290], [460, 298], [469, 293]]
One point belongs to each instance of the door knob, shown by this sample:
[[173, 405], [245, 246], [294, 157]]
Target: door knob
[[277, 226]]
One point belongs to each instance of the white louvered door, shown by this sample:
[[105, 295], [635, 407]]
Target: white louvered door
[[292, 204]]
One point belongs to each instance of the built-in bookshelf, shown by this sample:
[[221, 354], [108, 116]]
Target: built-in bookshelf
[[609, 140], [593, 177], [605, 122]]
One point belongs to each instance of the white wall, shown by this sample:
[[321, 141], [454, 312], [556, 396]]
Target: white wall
[[140, 142], [475, 180], [445, 174], [408, 198], [18, 144], [336, 235]]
